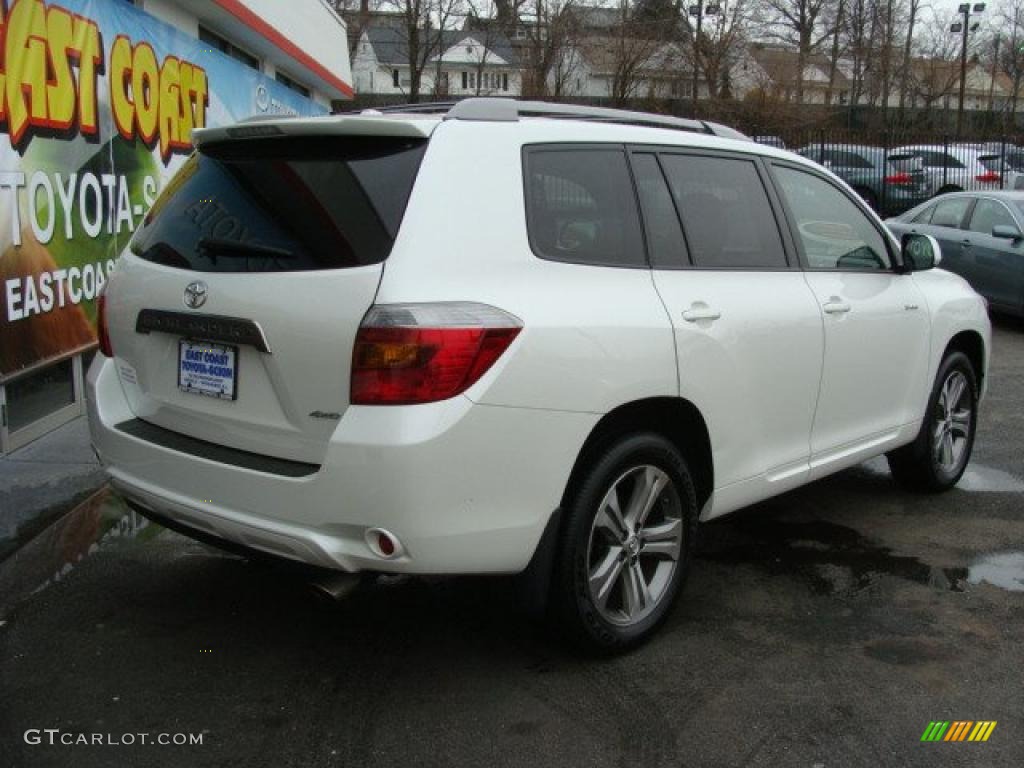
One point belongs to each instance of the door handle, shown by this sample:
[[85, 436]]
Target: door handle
[[700, 311], [836, 307]]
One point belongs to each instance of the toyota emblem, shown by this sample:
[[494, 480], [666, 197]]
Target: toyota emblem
[[195, 294]]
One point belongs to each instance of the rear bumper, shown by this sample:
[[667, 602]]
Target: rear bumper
[[465, 488]]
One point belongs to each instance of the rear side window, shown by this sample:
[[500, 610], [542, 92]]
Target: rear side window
[[282, 205], [581, 207], [726, 214], [950, 213]]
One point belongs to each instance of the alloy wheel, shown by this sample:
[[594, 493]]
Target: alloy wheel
[[636, 540], [952, 422]]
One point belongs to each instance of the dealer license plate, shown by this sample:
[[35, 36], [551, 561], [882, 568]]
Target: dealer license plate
[[208, 369]]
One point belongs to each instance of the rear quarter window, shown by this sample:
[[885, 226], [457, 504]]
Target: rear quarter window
[[280, 205], [581, 206]]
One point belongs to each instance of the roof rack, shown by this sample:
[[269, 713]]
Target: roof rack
[[497, 109]]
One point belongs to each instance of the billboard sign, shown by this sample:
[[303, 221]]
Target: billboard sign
[[98, 100]]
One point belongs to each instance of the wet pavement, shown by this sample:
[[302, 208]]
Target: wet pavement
[[827, 627]]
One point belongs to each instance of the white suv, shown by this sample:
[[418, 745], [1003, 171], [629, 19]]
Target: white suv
[[518, 337]]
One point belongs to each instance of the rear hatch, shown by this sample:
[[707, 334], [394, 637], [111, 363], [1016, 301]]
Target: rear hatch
[[233, 317]]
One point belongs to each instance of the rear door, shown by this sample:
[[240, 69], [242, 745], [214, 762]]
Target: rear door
[[233, 315], [874, 376], [748, 330]]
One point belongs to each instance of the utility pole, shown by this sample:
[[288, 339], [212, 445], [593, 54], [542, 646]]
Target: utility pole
[[965, 27], [699, 10]]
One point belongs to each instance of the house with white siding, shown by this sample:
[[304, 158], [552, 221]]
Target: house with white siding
[[459, 63]]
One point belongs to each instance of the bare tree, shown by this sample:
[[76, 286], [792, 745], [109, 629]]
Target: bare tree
[[837, 49], [913, 10], [632, 49], [935, 74], [552, 32], [423, 26], [723, 37], [1010, 15], [802, 24]]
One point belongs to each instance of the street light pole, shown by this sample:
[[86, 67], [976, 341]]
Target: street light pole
[[698, 10], [965, 27]]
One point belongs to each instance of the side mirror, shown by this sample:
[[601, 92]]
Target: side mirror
[[920, 252], [1006, 232]]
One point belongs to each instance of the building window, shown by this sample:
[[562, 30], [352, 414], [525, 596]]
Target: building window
[[472, 80], [228, 48], [294, 85], [40, 394], [394, 77], [504, 81], [465, 80]]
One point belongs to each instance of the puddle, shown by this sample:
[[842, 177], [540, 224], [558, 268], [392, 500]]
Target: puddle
[[988, 480], [976, 479], [49, 557], [1001, 569], [832, 559]]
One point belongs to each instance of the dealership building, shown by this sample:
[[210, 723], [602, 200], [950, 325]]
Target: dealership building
[[110, 92]]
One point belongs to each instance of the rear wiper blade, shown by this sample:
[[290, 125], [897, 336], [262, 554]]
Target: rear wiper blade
[[243, 250]]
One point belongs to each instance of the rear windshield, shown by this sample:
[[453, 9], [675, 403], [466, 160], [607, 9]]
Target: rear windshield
[[906, 163], [1014, 161], [282, 205]]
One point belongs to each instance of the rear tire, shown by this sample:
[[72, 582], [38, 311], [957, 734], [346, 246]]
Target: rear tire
[[626, 544], [936, 460]]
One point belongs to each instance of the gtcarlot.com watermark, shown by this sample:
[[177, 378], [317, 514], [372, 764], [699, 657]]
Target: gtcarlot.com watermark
[[56, 737]]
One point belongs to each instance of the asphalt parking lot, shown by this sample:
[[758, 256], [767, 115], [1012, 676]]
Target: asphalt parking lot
[[826, 627]]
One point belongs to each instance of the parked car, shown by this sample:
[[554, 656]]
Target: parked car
[[641, 322], [890, 182], [1011, 168], [957, 167], [981, 239], [771, 141]]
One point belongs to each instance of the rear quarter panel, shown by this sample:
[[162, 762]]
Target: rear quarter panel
[[593, 337]]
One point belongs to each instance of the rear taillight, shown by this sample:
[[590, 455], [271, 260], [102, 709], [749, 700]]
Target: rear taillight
[[420, 353], [900, 179], [102, 334], [990, 177]]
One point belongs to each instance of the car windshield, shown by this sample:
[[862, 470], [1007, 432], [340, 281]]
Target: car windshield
[[1020, 206]]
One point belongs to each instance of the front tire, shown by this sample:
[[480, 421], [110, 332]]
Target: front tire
[[627, 544], [936, 460]]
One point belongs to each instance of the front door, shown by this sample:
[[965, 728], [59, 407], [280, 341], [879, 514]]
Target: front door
[[874, 377], [997, 264]]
